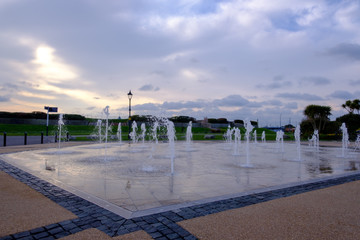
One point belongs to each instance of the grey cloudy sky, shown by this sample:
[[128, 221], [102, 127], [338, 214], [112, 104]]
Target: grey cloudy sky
[[255, 59]]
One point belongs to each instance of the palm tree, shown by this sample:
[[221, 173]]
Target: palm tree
[[351, 106], [318, 115]]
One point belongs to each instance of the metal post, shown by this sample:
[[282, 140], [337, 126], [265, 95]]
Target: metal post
[[25, 138], [129, 123], [47, 122], [42, 137], [4, 139], [56, 136], [67, 136]]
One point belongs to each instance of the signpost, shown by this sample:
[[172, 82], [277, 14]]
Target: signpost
[[49, 109]]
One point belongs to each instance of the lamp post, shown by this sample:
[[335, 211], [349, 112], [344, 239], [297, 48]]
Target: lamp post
[[129, 122]]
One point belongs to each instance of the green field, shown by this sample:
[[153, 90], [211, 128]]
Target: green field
[[83, 131]]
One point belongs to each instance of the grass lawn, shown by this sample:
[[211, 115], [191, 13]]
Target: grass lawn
[[83, 131]]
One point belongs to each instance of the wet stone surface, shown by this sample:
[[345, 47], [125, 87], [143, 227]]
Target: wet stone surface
[[137, 178], [158, 226]]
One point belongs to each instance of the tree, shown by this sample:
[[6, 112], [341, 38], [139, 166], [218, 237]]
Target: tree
[[351, 106], [352, 122], [318, 116]]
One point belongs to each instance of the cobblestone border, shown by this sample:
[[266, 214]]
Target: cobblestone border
[[158, 226]]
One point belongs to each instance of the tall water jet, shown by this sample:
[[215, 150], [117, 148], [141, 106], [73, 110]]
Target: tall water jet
[[255, 137], [357, 142], [228, 135], [143, 132], [280, 140], [263, 137], [315, 140], [154, 130], [237, 141], [248, 128], [133, 132], [171, 137], [118, 133], [297, 140], [189, 135], [345, 139], [60, 128], [98, 130], [107, 113]]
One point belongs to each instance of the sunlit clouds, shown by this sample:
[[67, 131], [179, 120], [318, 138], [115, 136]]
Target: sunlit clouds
[[49, 67], [236, 59]]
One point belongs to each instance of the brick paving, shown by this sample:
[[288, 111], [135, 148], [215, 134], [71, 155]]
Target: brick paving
[[158, 226]]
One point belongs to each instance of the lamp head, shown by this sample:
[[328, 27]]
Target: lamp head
[[130, 95]]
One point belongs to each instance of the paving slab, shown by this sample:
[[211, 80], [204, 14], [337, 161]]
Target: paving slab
[[94, 233], [23, 208], [330, 213]]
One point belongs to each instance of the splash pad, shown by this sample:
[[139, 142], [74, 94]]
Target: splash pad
[[138, 179]]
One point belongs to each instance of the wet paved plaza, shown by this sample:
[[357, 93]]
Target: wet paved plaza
[[135, 179]]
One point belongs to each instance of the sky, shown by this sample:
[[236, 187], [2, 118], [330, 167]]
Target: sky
[[246, 59]]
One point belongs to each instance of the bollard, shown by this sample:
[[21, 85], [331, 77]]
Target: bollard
[[4, 143], [55, 136], [25, 138], [67, 136], [42, 137]]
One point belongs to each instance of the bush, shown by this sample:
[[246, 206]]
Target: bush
[[182, 119]]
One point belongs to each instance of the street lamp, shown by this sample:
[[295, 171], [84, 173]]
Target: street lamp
[[129, 122]]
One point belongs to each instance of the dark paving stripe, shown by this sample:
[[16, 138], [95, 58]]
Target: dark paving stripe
[[159, 226]]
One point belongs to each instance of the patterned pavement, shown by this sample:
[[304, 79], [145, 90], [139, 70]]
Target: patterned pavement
[[162, 225]]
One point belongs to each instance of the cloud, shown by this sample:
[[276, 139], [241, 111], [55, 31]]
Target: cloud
[[274, 102], [342, 95], [152, 107], [316, 81], [275, 85], [149, 87], [231, 101], [291, 105], [354, 82], [4, 99], [300, 96], [192, 49], [278, 82], [348, 50], [183, 105]]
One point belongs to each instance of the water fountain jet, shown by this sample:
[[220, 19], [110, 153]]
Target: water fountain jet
[[248, 128]]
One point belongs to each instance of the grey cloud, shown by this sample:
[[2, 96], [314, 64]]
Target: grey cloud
[[278, 78], [317, 81], [277, 82], [300, 96], [4, 99], [158, 73], [349, 50], [147, 107], [231, 101], [291, 105], [273, 103], [254, 105], [149, 87], [181, 105], [342, 95], [90, 108], [275, 85], [354, 82]]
